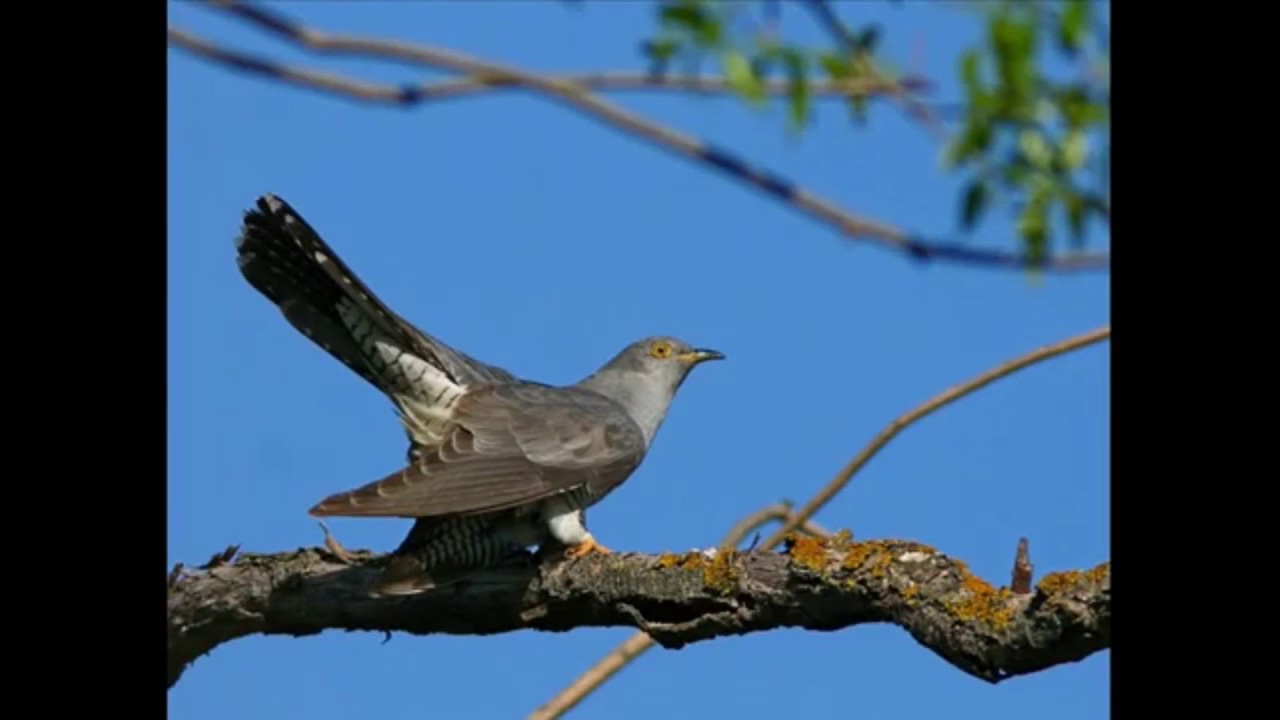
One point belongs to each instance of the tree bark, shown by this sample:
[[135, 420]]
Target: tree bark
[[819, 584]]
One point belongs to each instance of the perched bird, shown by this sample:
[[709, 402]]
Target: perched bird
[[496, 464]]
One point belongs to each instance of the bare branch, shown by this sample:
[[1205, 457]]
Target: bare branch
[[634, 646], [817, 584], [440, 90], [579, 98]]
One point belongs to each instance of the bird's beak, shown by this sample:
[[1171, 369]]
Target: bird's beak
[[700, 355]]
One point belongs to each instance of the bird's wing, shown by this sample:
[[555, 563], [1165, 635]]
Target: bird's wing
[[510, 445]]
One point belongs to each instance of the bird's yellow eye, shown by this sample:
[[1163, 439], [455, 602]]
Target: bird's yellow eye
[[661, 349]]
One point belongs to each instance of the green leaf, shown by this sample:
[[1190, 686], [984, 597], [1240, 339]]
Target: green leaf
[[1076, 216], [975, 202], [1035, 148], [1075, 149], [741, 76], [1014, 45], [969, 71], [836, 65], [660, 50], [798, 91], [689, 15], [1072, 24], [1033, 224], [973, 140], [1078, 109]]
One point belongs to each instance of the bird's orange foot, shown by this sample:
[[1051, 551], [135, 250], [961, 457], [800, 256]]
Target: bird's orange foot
[[587, 547]]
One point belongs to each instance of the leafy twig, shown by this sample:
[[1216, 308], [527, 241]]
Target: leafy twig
[[848, 224]]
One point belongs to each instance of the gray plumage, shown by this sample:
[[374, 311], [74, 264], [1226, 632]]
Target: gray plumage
[[495, 463]]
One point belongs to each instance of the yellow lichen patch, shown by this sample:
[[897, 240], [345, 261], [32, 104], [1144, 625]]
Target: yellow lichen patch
[[910, 593], [979, 601], [1057, 582], [856, 555], [809, 552], [693, 560], [840, 541], [668, 560], [718, 573], [859, 553]]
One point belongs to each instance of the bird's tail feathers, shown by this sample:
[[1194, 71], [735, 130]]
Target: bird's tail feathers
[[405, 575], [287, 261]]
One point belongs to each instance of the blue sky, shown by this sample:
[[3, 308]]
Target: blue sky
[[538, 240]]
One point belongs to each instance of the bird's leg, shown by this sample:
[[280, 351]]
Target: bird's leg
[[586, 547], [569, 530]]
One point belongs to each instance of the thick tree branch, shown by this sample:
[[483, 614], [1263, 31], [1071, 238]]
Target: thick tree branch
[[575, 96], [818, 584]]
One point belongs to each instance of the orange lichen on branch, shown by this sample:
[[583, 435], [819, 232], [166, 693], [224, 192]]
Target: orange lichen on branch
[[859, 553], [810, 552], [841, 540], [668, 560], [884, 553], [1057, 582], [840, 551], [718, 573], [979, 601]]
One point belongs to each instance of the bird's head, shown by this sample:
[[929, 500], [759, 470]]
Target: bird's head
[[665, 358], [644, 377]]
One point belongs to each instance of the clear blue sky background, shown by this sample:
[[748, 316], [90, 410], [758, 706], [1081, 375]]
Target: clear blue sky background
[[538, 240]]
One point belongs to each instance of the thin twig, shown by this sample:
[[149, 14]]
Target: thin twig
[[627, 81], [579, 98], [633, 646], [949, 396], [762, 517], [614, 81], [455, 88]]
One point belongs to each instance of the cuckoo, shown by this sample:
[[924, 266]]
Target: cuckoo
[[496, 464]]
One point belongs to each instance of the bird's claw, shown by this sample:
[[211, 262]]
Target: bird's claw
[[586, 547]]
